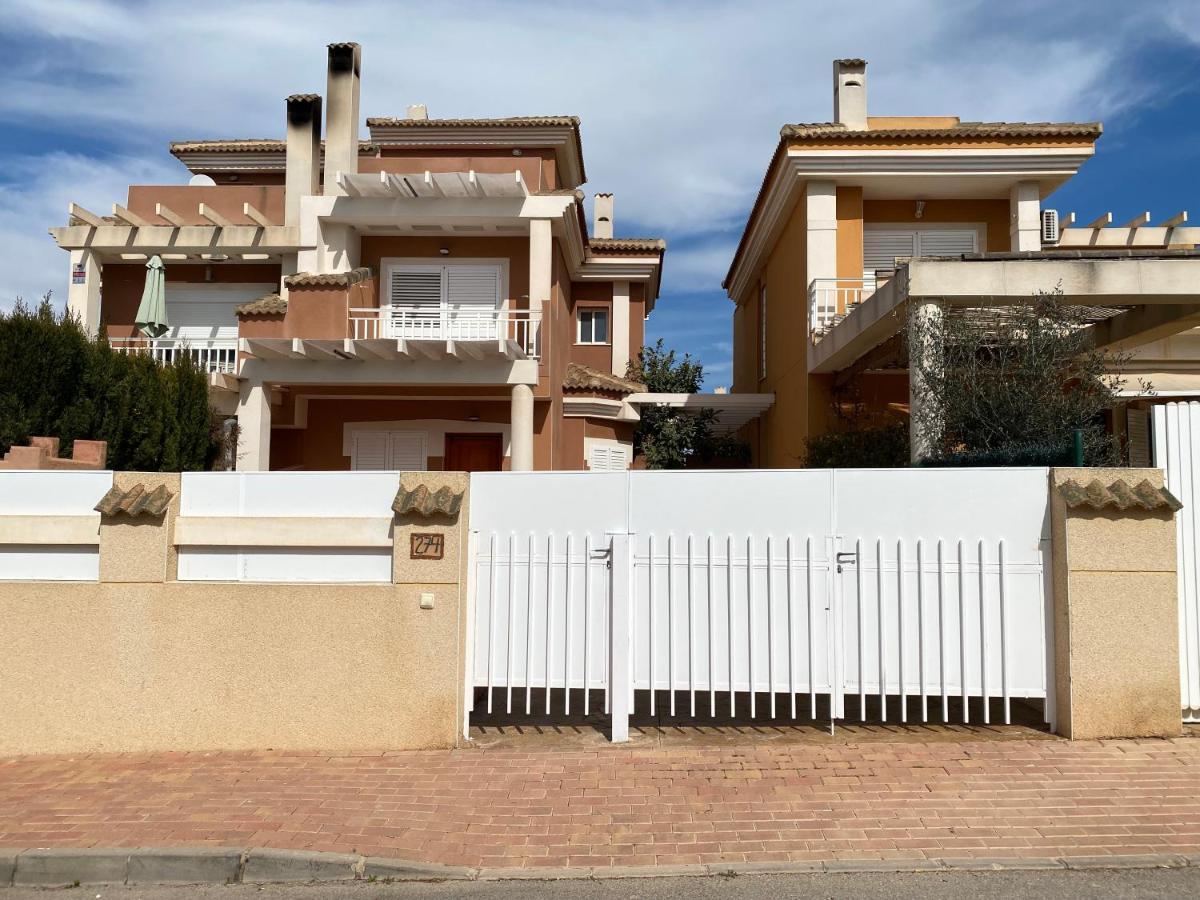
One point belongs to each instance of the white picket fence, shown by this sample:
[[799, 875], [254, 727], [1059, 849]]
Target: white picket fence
[[1177, 453], [739, 593]]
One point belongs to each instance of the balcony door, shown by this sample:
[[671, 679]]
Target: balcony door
[[448, 301], [881, 246]]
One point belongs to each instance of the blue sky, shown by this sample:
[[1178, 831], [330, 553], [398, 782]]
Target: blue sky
[[681, 102]]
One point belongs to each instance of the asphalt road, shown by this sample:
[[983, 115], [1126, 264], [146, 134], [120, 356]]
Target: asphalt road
[[1053, 885]]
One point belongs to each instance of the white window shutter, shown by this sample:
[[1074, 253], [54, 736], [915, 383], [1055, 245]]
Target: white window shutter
[[473, 288], [407, 452], [370, 451], [946, 241], [608, 456], [882, 246], [416, 288]]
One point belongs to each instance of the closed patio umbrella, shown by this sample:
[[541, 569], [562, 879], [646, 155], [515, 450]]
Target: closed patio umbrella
[[152, 311]]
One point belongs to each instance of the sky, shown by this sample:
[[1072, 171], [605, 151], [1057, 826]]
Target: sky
[[681, 102]]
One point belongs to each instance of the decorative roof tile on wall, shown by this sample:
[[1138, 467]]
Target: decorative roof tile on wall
[[271, 304], [330, 279], [421, 501], [136, 501], [1119, 494], [583, 378]]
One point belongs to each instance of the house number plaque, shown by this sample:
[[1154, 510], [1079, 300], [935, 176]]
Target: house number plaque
[[424, 545]]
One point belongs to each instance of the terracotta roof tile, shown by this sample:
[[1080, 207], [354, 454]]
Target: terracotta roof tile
[[834, 130], [136, 501], [244, 145], [583, 378], [602, 246], [420, 500], [266, 305], [1119, 494], [504, 122], [330, 279]]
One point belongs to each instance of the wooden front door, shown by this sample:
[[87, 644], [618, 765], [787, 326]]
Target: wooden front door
[[474, 453]]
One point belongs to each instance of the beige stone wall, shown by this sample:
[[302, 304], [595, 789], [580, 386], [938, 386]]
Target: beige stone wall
[[139, 662], [1116, 614]]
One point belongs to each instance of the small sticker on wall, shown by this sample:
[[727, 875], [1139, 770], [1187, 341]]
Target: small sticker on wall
[[78, 274]]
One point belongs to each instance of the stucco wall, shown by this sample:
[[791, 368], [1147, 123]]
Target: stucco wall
[[167, 665], [1116, 614]]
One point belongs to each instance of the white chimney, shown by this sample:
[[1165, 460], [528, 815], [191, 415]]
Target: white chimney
[[341, 116], [850, 93], [303, 162], [418, 111], [602, 213]]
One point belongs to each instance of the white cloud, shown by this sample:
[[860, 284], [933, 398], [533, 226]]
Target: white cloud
[[681, 102]]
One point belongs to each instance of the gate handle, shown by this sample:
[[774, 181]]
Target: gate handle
[[846, 557]]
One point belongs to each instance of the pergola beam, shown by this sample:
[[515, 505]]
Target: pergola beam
[[1138, 221], [252, 213], [211, 215], [1100, 221], [1179, 218], [86, 216], [165, 212], [127, 217]]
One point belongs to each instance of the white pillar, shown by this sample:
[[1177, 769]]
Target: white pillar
[[925, 352], [1025, 216], [820, 210], [254, 427], [522, 428], [83, 290], [602, 224], [541, 263], [620, 641], [620, 328]]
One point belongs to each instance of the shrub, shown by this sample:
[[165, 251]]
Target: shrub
[[882, 447], [56, 381]]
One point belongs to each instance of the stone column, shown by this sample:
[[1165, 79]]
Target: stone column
[[140, 547], [83, 296], [1116, 614], [254, 427], [924, 352], [303, 166], [522, 428], [341, 114], [1025, 216]]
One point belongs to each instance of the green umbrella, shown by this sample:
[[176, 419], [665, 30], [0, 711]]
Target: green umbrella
[[152, 311]]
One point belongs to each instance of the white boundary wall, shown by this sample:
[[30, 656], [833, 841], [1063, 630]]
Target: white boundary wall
[[1177, 453], [56, 496], [309, 497], [733, 581]]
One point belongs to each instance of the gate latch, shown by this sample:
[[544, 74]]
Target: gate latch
[[846, 558], [604, 553]]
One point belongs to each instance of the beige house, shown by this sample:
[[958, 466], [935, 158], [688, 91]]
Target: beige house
[[429, 297], [866, 220]]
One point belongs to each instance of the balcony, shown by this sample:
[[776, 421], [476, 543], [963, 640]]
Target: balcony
[[830, 299], [513, 333], [212, 356]]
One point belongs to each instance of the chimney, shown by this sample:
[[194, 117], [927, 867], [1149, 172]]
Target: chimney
[[850, 93], [341, 116], [303, 172], [418, 111], [602, 211]]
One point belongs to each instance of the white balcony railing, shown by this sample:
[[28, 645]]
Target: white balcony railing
[[830, 298], [216, 355], [515, 326]]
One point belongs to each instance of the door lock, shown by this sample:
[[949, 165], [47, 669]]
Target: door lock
[[846, 558]]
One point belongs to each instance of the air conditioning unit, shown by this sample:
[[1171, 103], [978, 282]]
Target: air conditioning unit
[[1049, 226]]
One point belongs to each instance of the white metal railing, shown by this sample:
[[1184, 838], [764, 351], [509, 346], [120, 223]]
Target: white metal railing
[[519, 326], [829, 298], [216, 355]]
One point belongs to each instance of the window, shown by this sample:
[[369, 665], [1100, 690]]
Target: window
[[455, 300], [762, 331], [608, 456], [593, 326], [881, 246], [384, 451]]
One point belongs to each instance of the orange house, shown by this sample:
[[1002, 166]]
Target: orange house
[[429, 297], [866, 220]]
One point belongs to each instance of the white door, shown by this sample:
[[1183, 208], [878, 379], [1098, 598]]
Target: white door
[[444, 302]]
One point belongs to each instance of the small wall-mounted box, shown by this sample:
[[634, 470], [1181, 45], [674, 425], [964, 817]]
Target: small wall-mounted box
[[426, 600]]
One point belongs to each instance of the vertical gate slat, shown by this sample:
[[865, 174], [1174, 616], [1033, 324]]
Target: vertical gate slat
[[750, 617], [791, 618], [962, 633], [529, 631], [587, 623], [812, 681], [1004, 686], [983, 638], [549, 613], [729, 615], [653, 616], [712, 634], [881, 625], [770, 627], [512, 608], [567, 625], [900, 627]]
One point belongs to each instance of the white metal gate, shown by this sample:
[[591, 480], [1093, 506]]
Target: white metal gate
[[761, 593], [1177, 453]]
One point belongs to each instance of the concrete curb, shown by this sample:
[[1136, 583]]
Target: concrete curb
[[60, 867]]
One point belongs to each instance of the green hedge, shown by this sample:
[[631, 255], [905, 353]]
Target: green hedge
[[885, 447], [56, 381]]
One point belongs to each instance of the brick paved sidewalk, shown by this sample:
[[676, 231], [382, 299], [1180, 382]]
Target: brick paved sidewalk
[[627, 806]]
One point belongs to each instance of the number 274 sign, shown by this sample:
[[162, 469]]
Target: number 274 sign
[[424, 545]]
